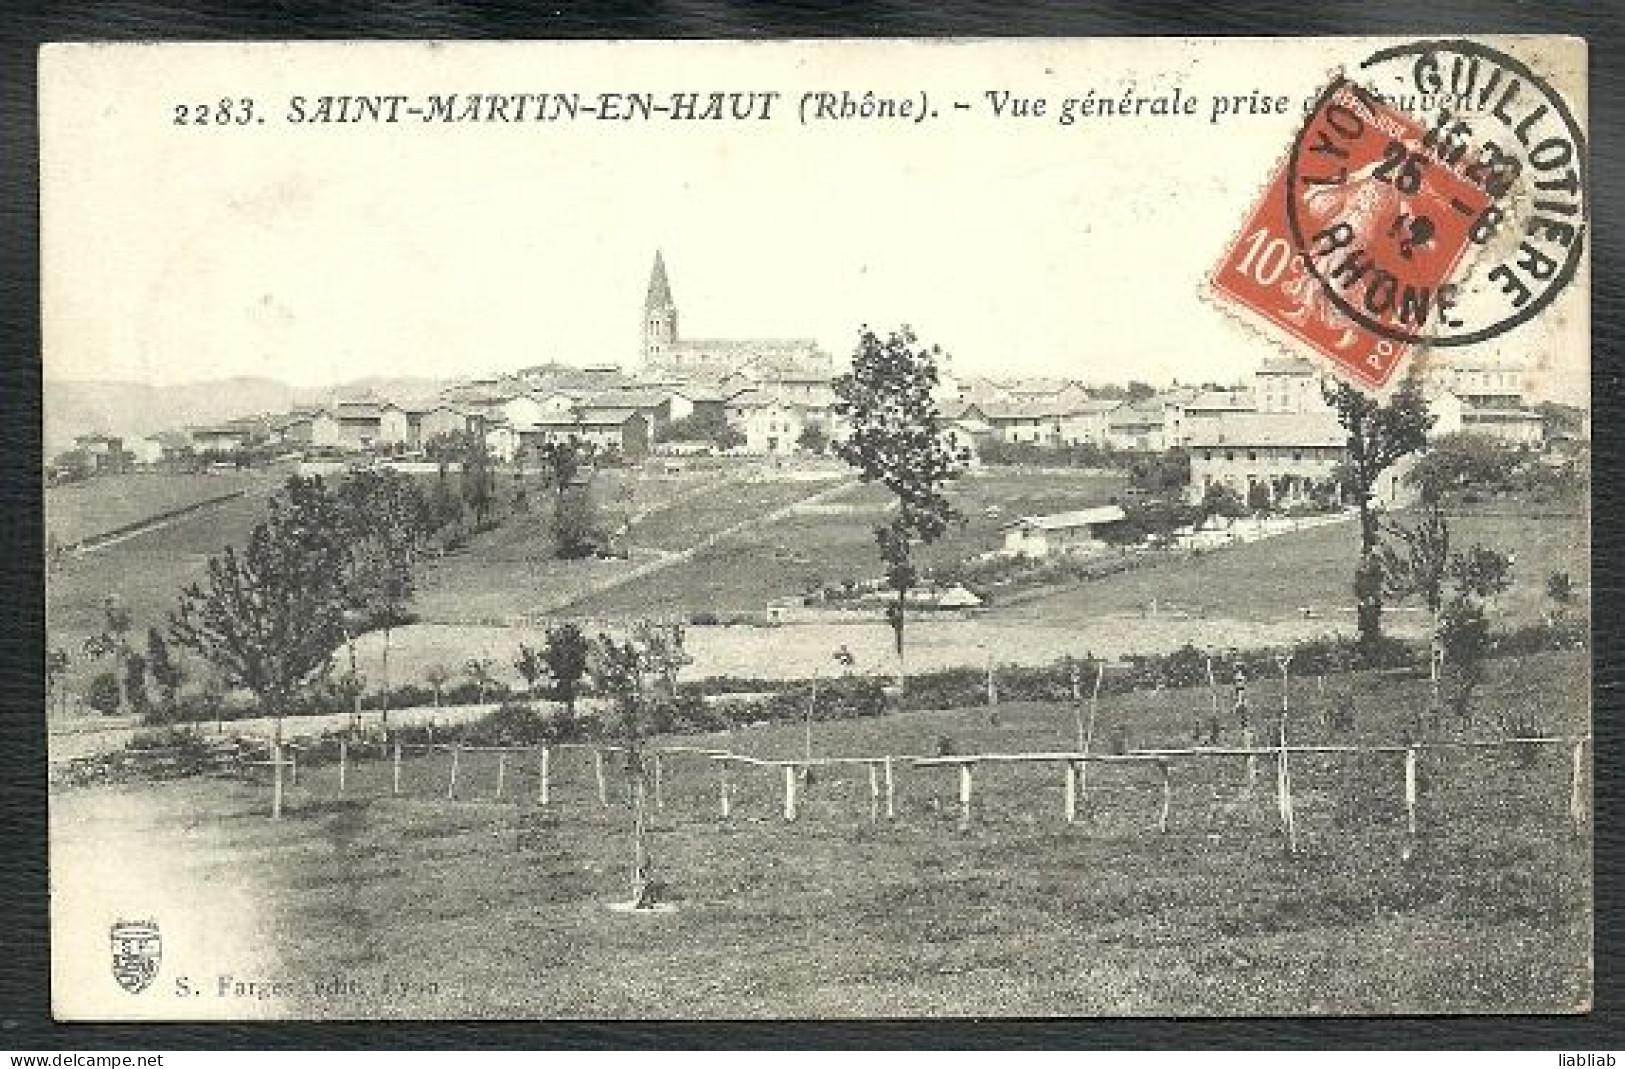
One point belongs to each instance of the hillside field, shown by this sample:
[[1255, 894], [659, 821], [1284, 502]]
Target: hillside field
[[486, 908]]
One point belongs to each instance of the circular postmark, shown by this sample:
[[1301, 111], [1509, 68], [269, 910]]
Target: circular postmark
[[1439, 197]]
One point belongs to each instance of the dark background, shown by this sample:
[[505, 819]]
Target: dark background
[[25, 1022]]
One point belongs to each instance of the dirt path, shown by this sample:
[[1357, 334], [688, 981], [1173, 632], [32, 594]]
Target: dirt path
[[672, 558], [68, 743]]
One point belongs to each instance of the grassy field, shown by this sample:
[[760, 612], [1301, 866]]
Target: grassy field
[[146, 571], [81, 510], [833, 541], [1279, 577], [498, 908]]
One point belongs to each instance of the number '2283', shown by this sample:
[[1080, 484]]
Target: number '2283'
[[227, 111]]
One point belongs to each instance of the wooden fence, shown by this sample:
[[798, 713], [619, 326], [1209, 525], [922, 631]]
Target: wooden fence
[[883, 779]]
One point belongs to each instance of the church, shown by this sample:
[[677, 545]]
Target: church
[[667, 356]]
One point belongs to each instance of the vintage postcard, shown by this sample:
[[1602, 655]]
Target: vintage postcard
[[817, 529]]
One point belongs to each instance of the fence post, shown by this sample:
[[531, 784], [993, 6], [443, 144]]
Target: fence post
[[293, 766], [451, 784], [789, 792], [1410, 790], [344, 759], [966, 786], [660, 796], [891, 792], [1577, 806], [395, 770], [542, 787], [598, 772], [874, 793], [1167, 795], [1071, 792], [1249, 740], [1283, 798], [722, 789], [502, 772], [276, 781]]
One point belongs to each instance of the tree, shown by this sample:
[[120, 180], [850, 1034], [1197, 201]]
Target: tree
[[1379, 436], [1453, 586], [566, 652], [105, 693], [385, 519], [165, 670], [1478, 575], [113, 640], [618, 669], [576, 530], [707, 424], [1159, 473], [479, 670], [563, 461], [1221, 499], [531, 666], [437, 675], [1258, 498], [1139, 391], [135, 683], [268, 617], [1460, 461], [479, 480], [1421, 571], [895, 440], [663, 647], [814, 438]]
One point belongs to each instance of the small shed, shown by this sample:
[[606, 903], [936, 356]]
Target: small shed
[[1062, 532]]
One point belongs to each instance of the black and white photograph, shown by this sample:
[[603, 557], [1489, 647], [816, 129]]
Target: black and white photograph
[[817, 529]]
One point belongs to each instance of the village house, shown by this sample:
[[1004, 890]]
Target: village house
[[1512, 424], [230, 436], [431, 423], [1488, 382], [502, 442], [1295, 456], [367, 425], [1282, 384], [1056, 395], [165, 447], [1197, 416], [1087, 423], [1063, 532], [1136, 426], [622, 430], [964, 438], [309, 430], [770, 425], [654, 405], [1023, 422], [105, 452]]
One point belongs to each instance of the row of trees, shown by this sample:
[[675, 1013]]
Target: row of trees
[[328, 563]]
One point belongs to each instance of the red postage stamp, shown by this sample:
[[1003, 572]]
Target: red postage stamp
[[1359, 214]]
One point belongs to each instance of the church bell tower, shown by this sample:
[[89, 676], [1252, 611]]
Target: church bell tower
[[659, 316]]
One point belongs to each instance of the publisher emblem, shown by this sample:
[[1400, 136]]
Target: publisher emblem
[[137, 950]]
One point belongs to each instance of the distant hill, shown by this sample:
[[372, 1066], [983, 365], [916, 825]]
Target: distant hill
[[132, 409]]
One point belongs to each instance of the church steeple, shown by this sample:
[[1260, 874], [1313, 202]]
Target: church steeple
[[659, 314]]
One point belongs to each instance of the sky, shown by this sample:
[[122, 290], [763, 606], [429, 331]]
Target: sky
[[318, 253]]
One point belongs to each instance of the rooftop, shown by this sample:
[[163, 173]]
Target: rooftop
[[1065, 521], [1308, 429]]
